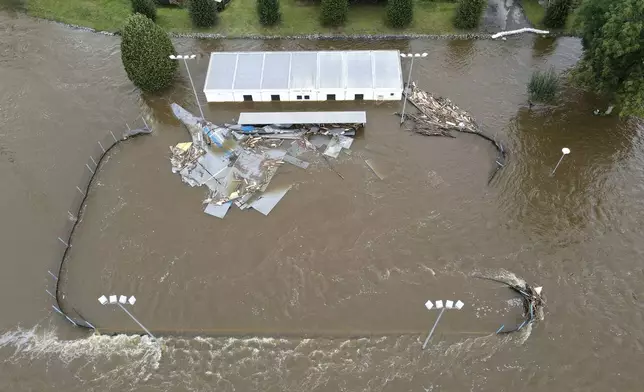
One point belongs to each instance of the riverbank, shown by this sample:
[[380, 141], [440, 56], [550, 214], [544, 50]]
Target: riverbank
[[240, 18], [535, 13]]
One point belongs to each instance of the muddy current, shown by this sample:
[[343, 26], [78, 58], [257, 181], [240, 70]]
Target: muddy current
[[326, 293]]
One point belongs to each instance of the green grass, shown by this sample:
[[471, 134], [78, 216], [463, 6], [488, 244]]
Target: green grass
[[240, 18], [535, 13]]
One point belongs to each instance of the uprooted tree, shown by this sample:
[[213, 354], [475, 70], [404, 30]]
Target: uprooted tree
[[145, 7], [400, 13], [268, 12], [613, 59], [145, 51], [203, 13], [334, 12], [469, 13]]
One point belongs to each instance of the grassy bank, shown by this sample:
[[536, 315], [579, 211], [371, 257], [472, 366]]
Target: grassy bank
[[535, 13], [240, 18]]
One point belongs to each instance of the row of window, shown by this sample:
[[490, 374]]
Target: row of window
[[329, 97]]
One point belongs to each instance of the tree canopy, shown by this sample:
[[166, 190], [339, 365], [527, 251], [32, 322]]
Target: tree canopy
[[145, 51], [613, 59]]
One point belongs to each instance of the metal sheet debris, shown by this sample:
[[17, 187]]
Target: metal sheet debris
[[218, 210], [374, 166], [237, 162], [268, 200], [296, 162]]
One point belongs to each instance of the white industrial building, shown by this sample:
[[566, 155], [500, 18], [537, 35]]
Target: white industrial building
[[304, 76]]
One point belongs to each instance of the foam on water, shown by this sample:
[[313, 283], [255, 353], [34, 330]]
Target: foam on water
[[125, 363]]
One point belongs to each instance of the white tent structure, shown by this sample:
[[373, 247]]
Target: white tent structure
[[304, 76]]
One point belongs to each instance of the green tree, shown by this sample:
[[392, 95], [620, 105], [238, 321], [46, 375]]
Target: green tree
[[400, 13], [268, 12], [469, 13], [145, 7], [613, 59], [203, 13], [145, 51], [334, 12], [557, 13]]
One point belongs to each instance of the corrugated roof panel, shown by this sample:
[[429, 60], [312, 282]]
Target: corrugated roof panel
[[221, 71], [249, 71], [276, 71], [359, 70], [304, 70], [387, 69], [287, 118], [331, 70]]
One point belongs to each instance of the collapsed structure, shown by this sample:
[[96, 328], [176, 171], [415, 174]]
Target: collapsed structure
[[438, 116], [237, 162]]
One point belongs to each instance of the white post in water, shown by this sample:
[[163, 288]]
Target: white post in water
[[565, 151], [439, 305], [191, 57], [120, 301], [407, 89]]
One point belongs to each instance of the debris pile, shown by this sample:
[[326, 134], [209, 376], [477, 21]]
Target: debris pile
[[439, 116], [237, 162], [533, 303]]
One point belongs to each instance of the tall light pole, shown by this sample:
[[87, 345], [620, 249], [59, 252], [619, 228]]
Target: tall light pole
[[439, 305], [564, 151], [120, 301], [407, 90], [185, 58]]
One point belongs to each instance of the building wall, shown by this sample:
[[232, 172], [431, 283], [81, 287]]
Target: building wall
[[387, 95], [239, 95], [339, 94], [219, 96], [294, 94], [351, 94], [266, 95], [321, 95]]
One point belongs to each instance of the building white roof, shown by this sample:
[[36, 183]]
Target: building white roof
[[254, 71]]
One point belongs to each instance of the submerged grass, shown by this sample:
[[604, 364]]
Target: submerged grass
[[240, 17], [543, 86], [535, 13]]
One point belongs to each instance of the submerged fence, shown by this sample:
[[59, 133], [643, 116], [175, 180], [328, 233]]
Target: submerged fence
[[75, 213]]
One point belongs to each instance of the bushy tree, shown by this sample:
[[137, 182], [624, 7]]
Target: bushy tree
[[557, 13], [145, 7], [334, 12], [268, 12], [145, 51], [400, 13], [613, 59], [468, 13], [203, 13]]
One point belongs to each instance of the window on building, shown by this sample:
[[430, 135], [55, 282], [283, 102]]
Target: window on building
[[359, 97], [307, 97], [391, 94], [275, 97], [248, 98], [330, 97], [299, 97]]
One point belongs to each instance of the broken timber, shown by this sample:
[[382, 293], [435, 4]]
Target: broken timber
[[439, 116]]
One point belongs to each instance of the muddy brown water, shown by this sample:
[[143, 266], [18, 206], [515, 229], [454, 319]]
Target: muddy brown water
[[327, 292]]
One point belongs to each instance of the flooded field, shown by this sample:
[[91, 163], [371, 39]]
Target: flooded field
[[326, 293]]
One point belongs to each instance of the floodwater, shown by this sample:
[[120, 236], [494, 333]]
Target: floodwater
[[326, 293]]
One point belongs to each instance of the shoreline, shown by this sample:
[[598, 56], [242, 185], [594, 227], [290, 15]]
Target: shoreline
[[311, 37]]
